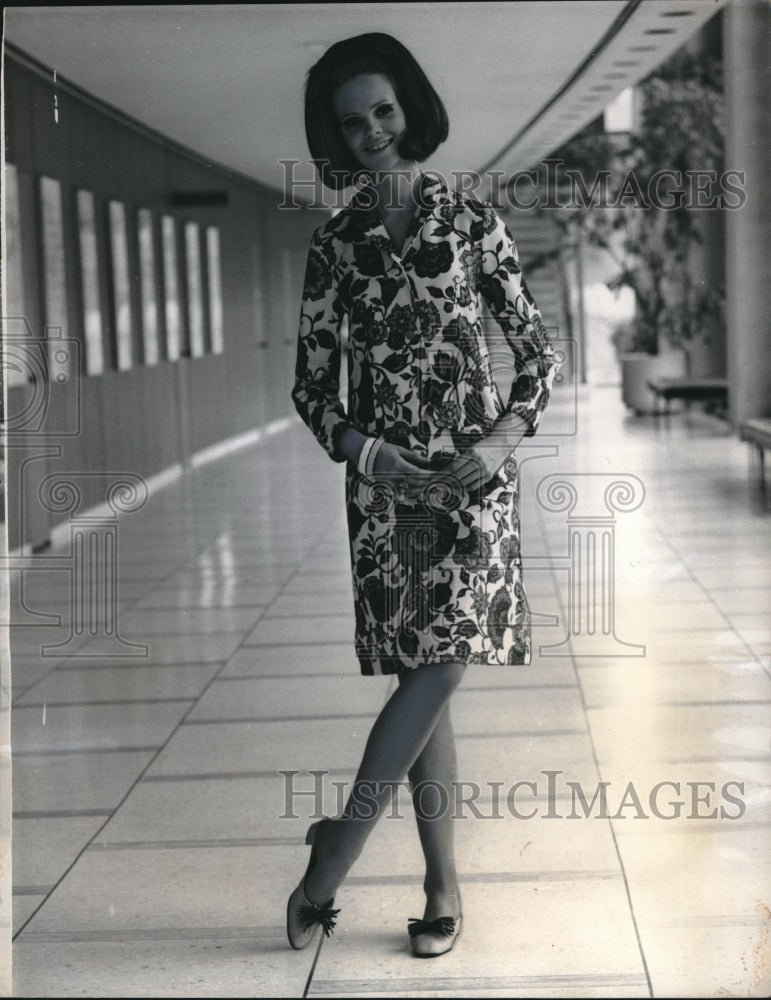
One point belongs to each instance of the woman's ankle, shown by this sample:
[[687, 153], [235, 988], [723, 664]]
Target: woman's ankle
[[335, 854], [320, 885], [441, 903], [442, 897]]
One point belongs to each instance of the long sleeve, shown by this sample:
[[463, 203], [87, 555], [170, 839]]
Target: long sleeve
[[507, 296], [316, 392]]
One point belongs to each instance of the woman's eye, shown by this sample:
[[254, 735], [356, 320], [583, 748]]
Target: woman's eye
[[350, 123], [384, 110]]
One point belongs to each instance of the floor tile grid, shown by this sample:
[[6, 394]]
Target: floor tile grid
[[709, 595], [276, 596], [598, 768], [501, 984], [326, 986], [666, 977], [71, 661], [157, 752], [623, 984], [156, 582], [246, 932], [133, 603]]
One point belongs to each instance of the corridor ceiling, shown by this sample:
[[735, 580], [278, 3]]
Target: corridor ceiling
[[227, 81]]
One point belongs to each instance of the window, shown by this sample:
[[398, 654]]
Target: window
[[215, 289], [121, 285], [59, 359], [171, 289], [194, 289], [14, 369], [151, 352], [89, 271]]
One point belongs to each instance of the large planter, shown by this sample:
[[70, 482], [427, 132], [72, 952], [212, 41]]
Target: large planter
[[638, 368]]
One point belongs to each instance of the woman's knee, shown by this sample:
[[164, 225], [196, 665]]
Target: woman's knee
[[443, 677], [453, 673]]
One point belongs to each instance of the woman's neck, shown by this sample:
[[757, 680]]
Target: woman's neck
[[396, 190]]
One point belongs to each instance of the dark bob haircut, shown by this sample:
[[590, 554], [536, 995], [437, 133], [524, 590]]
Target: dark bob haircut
[[373, 52]]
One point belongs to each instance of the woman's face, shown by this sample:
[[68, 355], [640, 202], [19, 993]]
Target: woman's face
[[371, 120]]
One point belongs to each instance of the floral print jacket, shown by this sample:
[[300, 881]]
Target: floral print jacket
[[419, 365]]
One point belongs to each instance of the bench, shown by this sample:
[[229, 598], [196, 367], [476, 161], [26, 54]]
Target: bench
[[711, 389], [757, 432]]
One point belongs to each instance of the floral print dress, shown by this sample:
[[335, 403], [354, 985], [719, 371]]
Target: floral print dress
[[437, 579]]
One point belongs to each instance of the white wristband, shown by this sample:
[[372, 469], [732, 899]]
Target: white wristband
[[373, 452], [366, 448]]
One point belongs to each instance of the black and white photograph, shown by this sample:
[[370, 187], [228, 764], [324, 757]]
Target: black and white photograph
[[385, 587]]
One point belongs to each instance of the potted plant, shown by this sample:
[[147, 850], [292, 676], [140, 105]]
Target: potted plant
[[672, 313], [649, 244], [640, 361]]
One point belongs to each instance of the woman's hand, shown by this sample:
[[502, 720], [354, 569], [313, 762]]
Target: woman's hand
[[476, 466], [411, 473], [408, 472]]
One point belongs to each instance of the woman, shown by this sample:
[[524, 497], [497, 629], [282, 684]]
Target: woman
[[431, 486]]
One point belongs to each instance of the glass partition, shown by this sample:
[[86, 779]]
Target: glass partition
[[171, 289], [214, 271], [89, 271], [14, 373], [194, 288], [54, 280], [121, 285], [151, 352]]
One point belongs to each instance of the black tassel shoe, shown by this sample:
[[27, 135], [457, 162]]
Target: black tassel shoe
[[303, 916], [431, 938]]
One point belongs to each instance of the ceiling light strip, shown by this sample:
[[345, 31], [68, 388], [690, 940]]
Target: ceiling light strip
[[603, 43]]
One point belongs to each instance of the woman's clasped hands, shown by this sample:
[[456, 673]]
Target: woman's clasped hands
[[411, 474]]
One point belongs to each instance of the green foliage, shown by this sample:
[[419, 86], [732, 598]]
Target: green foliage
[[680, 130], [632, 337]]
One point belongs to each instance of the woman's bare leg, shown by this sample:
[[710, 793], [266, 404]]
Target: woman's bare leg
[[433, 777], [398, 735]]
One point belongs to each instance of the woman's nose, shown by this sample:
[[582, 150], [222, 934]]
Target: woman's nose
[[373, 127]]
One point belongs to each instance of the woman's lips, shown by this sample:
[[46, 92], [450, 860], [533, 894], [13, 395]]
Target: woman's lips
[[378, 147]]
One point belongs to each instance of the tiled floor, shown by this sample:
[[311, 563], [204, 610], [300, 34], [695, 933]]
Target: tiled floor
[[156, 840]]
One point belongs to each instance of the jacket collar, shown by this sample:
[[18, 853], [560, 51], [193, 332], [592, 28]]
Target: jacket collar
[[431, 190]]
